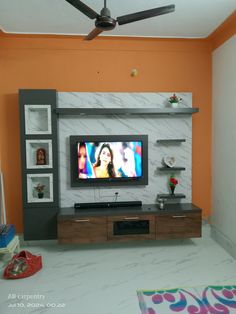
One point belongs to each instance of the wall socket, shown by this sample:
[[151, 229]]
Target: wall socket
[[109, 193]]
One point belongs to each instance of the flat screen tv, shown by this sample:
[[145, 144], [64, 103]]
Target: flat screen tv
[[99, 160]]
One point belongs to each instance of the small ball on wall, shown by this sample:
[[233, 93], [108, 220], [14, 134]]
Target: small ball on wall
[[134, 72]]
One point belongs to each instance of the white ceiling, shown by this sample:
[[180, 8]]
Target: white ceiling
[[191, 19]]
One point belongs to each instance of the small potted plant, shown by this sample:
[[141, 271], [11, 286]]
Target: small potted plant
[[40, 188], [172, 183], [174, 100]]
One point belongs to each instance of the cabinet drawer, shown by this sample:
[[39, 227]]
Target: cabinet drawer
[[131, 227], [185, 225], [82, 230]]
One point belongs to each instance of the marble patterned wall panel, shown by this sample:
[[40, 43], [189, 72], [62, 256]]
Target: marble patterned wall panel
[[120, 100], [156, 127]]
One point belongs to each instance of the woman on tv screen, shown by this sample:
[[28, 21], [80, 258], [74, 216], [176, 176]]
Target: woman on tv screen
[[85, 169], [104, 167]]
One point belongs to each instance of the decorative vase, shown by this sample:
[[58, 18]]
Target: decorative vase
[[174, 104], [40, 195], [172, 188]]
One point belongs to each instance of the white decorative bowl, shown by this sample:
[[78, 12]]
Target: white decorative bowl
[[169, 161]]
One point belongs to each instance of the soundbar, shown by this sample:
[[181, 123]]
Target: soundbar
[[107, 204]]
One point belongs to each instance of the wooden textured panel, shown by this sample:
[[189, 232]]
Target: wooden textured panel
[[82, 230], [176, 221], [185, 225], [131, 237]]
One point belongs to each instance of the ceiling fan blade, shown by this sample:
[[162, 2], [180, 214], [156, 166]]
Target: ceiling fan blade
[[94, 33], [133, 17], [84, 8]]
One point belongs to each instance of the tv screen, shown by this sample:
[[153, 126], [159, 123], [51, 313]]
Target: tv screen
[[109, 159]]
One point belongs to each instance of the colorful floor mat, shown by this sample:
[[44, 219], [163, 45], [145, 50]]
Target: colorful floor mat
[[198, 300]]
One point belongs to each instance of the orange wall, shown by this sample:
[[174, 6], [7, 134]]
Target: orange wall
[[103, 65], [226, 30]]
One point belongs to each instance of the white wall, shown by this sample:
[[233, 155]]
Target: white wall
[[224, 142]]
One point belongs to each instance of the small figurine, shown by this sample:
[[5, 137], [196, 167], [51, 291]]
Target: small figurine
[[41, 156]]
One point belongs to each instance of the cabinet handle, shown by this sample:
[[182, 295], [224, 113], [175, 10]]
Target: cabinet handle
[[179, 216], [81, 220], [131, 218]]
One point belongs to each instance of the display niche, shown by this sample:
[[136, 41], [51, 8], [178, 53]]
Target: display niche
[[39, 151]]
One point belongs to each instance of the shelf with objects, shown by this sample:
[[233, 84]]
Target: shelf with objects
[[172, 183], [174, 225], [9, 241], [40, 187], [170, 196], [12, 247], [125, 111], [40, 155], [39, 152], [169, 166]]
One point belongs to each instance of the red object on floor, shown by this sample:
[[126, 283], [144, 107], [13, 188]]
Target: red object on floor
[[23, 264]]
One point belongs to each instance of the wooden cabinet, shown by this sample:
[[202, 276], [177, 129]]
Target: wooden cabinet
[[145, 222], [82, 230], [178, 225], [131, 227]]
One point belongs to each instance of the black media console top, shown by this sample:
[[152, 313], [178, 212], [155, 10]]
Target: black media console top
[[145, 209]]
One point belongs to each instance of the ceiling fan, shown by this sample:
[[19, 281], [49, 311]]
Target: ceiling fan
[[104, 21]]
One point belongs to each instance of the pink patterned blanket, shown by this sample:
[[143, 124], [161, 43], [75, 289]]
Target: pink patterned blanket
[[198, 300]]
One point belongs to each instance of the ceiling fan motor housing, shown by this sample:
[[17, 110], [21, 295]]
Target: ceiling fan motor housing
[[105, 21]]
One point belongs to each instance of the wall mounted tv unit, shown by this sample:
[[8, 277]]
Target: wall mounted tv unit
[[108, 160]]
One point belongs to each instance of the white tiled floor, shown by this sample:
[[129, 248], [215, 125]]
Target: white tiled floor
[[103, 279]]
